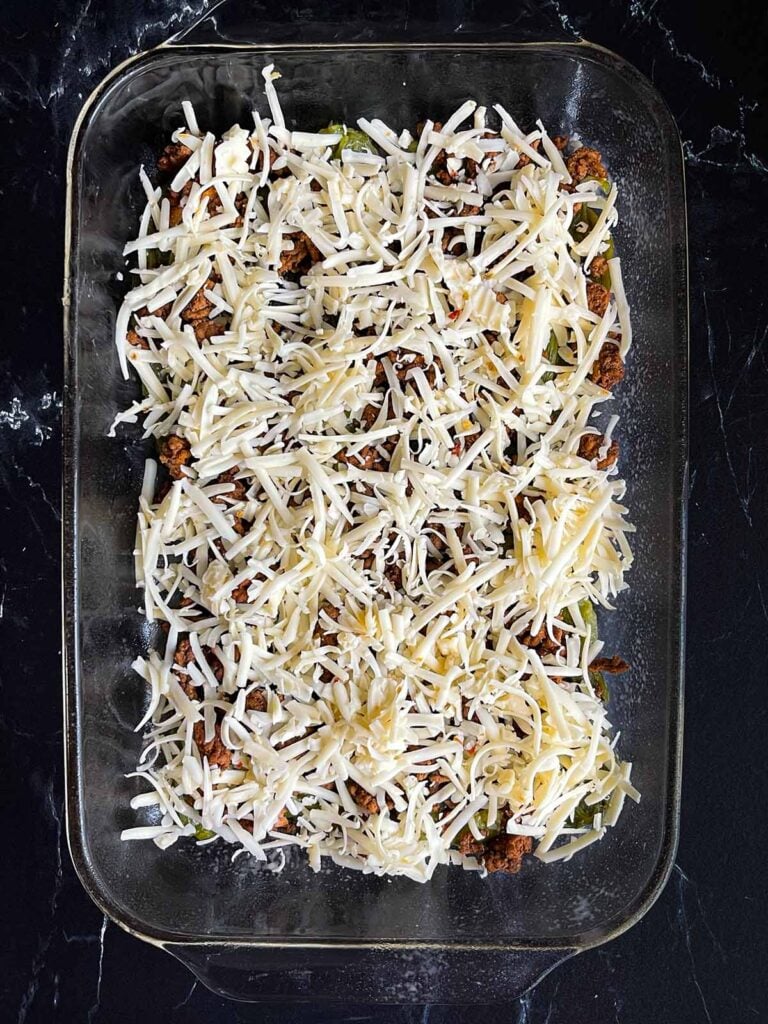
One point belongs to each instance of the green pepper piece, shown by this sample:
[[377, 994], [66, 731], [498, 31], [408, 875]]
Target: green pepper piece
[[200, 832], [584, 814], [552, 354], [579, 219], [589, 616], [413, 145], [357, 141], [604, 184], [351, 138], [481, 817], [600, 686], [156, 259], [203, 833]]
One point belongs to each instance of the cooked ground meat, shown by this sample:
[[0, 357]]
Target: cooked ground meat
[[214, 664], [327, 639], [505, 852], [403, 363], [522, 511], [585, 163], [541, 641], [214, 749], [589, 449], [183, 655], [188, 686], [241, 525], [238, 490], [214, 200], [161, 311], [301, 258], [136, 340], [560, 141], [598, 268], [284, 824], [369, 415], [205, 329], [240, 593], [368, 457], [469, 846], [394, 574], [598, 297], [524, 159], [172, 157], [174, 452], [613, 666], [198, 307], [608, 368], [256, 700], [365, 800]]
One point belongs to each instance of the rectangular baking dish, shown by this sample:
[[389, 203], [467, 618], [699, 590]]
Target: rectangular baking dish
[[340, 935]]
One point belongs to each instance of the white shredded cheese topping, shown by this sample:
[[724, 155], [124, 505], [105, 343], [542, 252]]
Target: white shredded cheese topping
[[384, 495]]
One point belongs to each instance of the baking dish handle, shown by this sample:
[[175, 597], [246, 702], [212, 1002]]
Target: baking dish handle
[[250, 22], [358, 977]]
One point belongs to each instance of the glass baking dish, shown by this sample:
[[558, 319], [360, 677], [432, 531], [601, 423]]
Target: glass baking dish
[[339, 935]]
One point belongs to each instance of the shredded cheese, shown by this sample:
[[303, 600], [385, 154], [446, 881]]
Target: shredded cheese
[[382, 500]]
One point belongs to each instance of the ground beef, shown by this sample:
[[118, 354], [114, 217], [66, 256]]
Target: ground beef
[[368, 457], [174, 452], [237, 491], [436, 781], [522, 511], [608, 369], [183, 655], [542, 641], [205, 329], [198, 307], [214, 664], [284, 824], [297, 261], [469, 846], [241, 525], [161, 311], [188, 686], [598, 268], [613, 666], [214, 749], [505, 852], [214, 200], [403, 363], [172, 157], [585, 163], [560, 141], [256, 700], [369, 415], [174, 216], [240, 593], [394, 574], [598, 297], [136, 340], [365, 800], [524, 159], [327, 639], [589, 449], [440, 168]]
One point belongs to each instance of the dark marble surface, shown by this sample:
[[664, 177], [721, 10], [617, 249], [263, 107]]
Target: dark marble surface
[[701, 953]]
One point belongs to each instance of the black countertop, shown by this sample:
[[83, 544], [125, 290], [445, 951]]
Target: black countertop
[[701, 953]]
